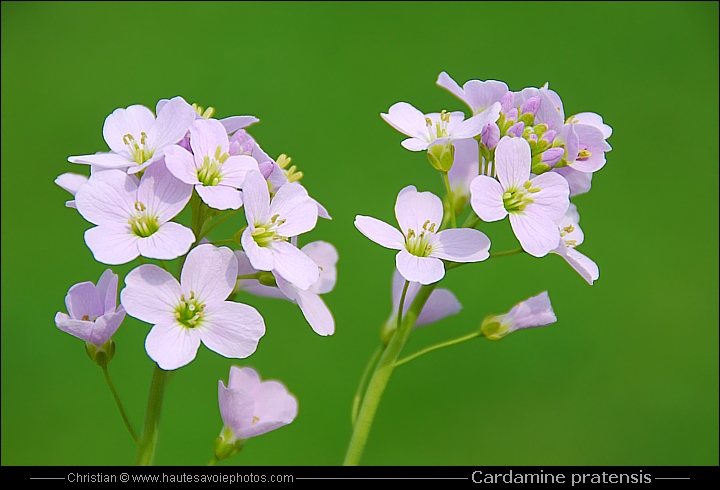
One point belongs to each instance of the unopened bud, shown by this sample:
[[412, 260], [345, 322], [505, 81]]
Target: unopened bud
[[267, 279]]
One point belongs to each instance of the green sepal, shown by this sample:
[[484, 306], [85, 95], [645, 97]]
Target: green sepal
[[540, 168], [267, 279], [101, 355]]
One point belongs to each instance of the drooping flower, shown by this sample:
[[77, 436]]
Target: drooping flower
[[421, 245], [93, 313], [216, 175], [250, 407], [533, 205], [438, 127], [441, 303], [133, 217], [270, 226], [570, 237], [137, 139], [533, 312], [193, 310], [71, 182], [313, 307], [478, 95]]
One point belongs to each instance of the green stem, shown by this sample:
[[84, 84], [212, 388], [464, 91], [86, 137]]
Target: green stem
[[226, 240], [381, 377], [164, 265], [505, 254], [437, 346], [146, 451], [358, 394], [204, 233], [213, 461], [472, 220], [119, 405], [451, 200]]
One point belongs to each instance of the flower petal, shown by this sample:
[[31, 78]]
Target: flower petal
[[210, 272], [235, 169], [406, 119], [112, 244], [261, 258], [537, 234], [151, 294], [460, 245], [292, 203], [274, 408], [236, 407], [205, 136], [380, 232], [474, 125], [256, 198], [83, 300], [107, 290], [552, 199], [108, 198], [480, 96], [181, 164], [582, 264], [533, 312], [162, 193], [232, 329], [413, 209], [171, 345], [316, 312], [233, 123], [134, 120], [71, 182], [173, 122], [325, 255], [220, 196], [465, 167], [253, 286], [294, 266], [169, 242], [486, 198], [512, 160], [579, 182], [103, 160], [425, 270], [442, 303]]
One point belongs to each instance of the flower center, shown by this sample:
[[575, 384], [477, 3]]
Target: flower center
[[189, 312], [438, 129], [205, 113], [143, 224], [86, 318], [210, 173], [516, 200], [291, 173], [419, 245], [140, 152], [266, 233], [565, 232]]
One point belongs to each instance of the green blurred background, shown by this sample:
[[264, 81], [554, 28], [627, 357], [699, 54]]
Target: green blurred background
[[628, 375]]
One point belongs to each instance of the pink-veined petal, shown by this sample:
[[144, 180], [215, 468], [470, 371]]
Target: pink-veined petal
[[465, 166], [480, 96], [552, 200], [83, 300], [181, 164], [380, 232], [151, 294], [512, 160], [593, 163], [274, 408], [445, 81], [163, 194], [316, 312], [171, 345], [71, 182], [415, 144], [235, 169], [533, 312], [107, 290], [294, 266], [460, 245], [256, 198], [173, 122], [442, 303], [108, 198], [205, 136], [582, 264], [245, 378], [232, 329], [417, 210], [112, 244], [134, 120], [486, 198], [105, 327], [537, 234], [104, 160], [233, 123], [261, 258], [169, 242], [406, 119], [236, 407], [220, 196], [325, 255], [593, 120], [210, 272], [474, 125], [425, 270], [293, 205]]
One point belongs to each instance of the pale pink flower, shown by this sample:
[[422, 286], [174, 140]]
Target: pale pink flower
[[437, 127], [441, 303], [533, 312], [133, 217], [250, 407], [420, 243], [478, 95], [193, 310], [94, 315], [313, 307], [533, 205], [71, 182], [216, 175], [570, 237], [271, 225], [137, 139]]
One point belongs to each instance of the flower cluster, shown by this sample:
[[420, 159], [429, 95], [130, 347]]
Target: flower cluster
[[159, 164]]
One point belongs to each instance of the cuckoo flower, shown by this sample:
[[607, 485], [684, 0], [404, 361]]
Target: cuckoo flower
[[548, 109], [441, 303], [215, 174], [134, 218], [270, 226], [533, 312], [570, 237], [533, 205], [314, 309], [193, 310], [421, 245], [436, 128], [585, 135], [478, 95], [71, 182], [231, 124], [250, 407], [137, 139], [93, 313]]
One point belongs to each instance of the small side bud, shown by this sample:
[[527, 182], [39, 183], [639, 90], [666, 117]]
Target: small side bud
[[101, 355], [267, 279], [492, 328]]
